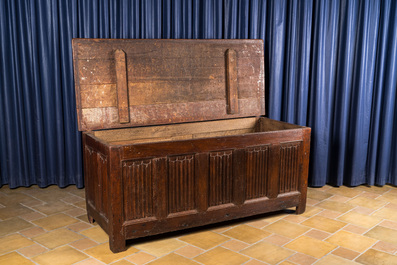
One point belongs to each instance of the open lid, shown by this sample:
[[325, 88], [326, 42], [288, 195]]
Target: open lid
[[127, 82]]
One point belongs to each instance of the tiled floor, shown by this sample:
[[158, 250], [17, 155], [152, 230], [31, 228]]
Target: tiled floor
[[340, 226]]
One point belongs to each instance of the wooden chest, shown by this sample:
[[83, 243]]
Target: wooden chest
[[175, 137]]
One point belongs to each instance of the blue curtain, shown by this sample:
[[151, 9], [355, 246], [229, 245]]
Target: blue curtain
[[330, 65]]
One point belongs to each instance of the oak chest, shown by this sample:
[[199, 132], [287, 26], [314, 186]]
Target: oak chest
[[175, 136]]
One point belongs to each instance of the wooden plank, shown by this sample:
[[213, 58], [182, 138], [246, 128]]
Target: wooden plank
[[122, 86], [103, 48], [97, 118], [93, 96], [101, 71], [169, 131], [231, 82], [169, 81]]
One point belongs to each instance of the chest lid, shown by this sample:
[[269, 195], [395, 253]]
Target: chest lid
[[126, 83]]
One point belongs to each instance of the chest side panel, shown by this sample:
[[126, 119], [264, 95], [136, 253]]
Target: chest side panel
[[124, 83]]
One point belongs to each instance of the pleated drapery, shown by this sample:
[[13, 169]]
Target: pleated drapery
[[330, 65]]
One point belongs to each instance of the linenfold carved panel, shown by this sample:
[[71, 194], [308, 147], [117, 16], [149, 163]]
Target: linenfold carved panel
[[97, 172], [289, 166], [257, 171], [138, 189], [181, 183], [220, 178]]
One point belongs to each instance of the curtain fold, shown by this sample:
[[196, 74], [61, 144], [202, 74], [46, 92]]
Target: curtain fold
[[330, 65]]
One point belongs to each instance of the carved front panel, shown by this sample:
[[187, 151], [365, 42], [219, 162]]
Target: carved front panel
[[96, 171], [220, 178], [181, 195], [257, 171], [289, 166], [138, 189]]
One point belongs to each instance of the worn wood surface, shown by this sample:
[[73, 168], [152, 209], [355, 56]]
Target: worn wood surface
[[231, 82], [122, 86], [165, 186], [146, 174], [167, 81]]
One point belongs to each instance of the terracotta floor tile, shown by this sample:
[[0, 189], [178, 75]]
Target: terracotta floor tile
[[336, 206], [287, 229], [61, 256], [13, 225], [103, 253], [173, 259], [386, 247], [375, 257], [75, 212], [363, 223], [247, 234], [81, 205], [84, 218], [339, 198], [161, 247], [311, 246], [53, 207], [271, 218], [294, 218], [317, 194], [324, 224], [386, 213], [72, 189], [351, 241], [345, 191], [140, 258], [91, 261], [330, 214], [388, 197], [360, 219], [389, 224], [79, 226], [32, 216], [370, 195], [363, 210], [277, 240], [83, 244], [383, 234], [355, 229], [367, 202], [302, 259], [374, 189], [96, 233], [331, 259], [204, 240], [311, 202], [13, 242], [257, 223], [122, 262], [317, 234], [55, 221], [57, 238], [392, 206], [32, 250], [47, 194], [14, 197], [73, 199], [32, 232], [235, 245], [286, 262], [311, 211], [14, 258], [267, 252], [346, 253], [221, 255], [254, 262]]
